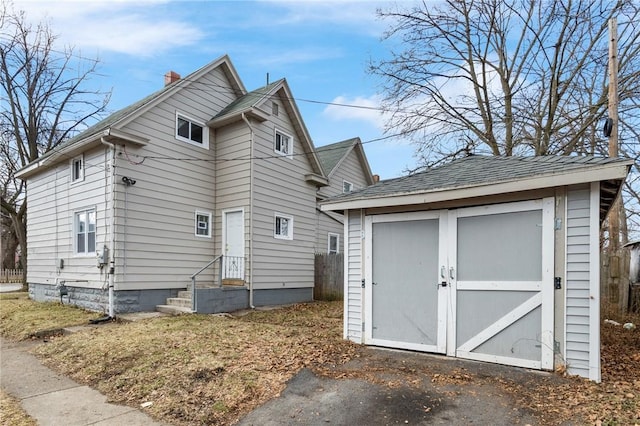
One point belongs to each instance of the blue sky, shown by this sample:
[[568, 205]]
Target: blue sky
[[321, 48]]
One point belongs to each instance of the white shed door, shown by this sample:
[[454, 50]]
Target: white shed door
[[475, 283], [407, 308], [503, 276]]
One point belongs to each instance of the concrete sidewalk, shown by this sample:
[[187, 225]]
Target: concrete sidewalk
[[52, 399]]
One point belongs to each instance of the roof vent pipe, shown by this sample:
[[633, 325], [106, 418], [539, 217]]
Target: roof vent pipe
[[171, 77]]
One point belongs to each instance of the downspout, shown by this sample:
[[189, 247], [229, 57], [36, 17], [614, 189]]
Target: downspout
[[248, 123], [112, 255]]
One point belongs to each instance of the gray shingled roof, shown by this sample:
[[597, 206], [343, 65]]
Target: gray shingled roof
[[476, 171], [248, 100], [330, 155]]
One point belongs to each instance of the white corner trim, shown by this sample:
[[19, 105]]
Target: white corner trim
[[594, 282]]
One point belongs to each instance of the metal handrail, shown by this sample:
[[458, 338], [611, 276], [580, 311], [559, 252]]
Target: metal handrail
[[193, 279]]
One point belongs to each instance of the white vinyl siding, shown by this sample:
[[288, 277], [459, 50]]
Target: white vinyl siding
[[161, 250], [350, 170], [232, 181], [53, 203], [279, 186], [353, 303], [328, 222], [578, 291]]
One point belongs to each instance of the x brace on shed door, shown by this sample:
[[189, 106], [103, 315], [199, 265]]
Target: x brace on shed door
[[489, 295]]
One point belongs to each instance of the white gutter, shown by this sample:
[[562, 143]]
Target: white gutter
[[244, 118], [112, 205]]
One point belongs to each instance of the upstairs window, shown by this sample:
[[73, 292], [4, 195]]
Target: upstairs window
[[346, 187], [203, 224], [283, 144], [333, 245], [191, 131], [283, 227], [274, 109], [77, 169], [84, 224]]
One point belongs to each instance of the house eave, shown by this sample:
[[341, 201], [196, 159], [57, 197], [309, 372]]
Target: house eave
[[611, 172], [226, 119], [110, 134], [316, 179]]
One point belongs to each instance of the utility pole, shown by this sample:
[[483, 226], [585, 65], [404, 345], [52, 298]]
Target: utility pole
[[614, 217], [615, 264]]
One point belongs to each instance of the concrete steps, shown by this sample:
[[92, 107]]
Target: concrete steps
[[173, 310], [177, 305]]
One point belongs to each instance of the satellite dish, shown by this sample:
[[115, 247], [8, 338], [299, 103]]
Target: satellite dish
[[608, 127]]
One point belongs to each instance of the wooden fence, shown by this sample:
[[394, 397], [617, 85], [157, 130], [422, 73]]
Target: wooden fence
[[616, 292], [329, 277], [11, 276]]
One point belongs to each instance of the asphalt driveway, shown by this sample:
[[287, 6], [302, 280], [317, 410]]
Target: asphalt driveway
[[386, 387]]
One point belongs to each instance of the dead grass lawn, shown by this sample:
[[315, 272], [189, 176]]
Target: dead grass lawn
[[12, 413], [202, 369], [208, 369], [22, 318]]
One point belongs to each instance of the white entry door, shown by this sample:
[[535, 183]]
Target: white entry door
[[502, 260], [407, 292], [233, 244]]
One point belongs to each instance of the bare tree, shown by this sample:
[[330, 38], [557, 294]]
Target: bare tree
[[507, 77], [45, 104]]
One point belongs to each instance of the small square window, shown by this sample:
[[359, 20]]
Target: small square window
[[190, 131], [346, 186], [333, 245], [77, 169], [283, 144], [203, 224], [283, 227]]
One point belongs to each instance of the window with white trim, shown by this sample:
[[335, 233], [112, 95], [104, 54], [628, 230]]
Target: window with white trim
[[191, 131], [283, 227], [84, 228], [333, 244], [283, 144], [203, 224], [77, 169], [346, 186]]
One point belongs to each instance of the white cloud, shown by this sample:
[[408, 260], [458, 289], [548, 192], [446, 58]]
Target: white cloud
[[121, 26], [359, 108]]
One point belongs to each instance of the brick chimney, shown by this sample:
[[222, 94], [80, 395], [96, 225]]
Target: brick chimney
[[170, 77], [376, 178]]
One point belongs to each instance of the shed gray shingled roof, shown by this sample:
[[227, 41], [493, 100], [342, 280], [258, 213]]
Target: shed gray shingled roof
[[330, 155], [477, 170]]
